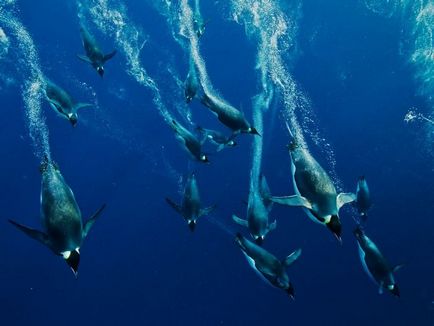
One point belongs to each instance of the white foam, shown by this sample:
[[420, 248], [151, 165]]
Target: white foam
[[33, 85]]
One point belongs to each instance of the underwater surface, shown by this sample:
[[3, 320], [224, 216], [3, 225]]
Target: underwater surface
[[124, 103]]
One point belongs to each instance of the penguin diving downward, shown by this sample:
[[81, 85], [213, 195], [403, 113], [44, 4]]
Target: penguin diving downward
[[217, 138], [190, 207], [268, 266], [64, 230], [228, 115], [62, 102], [190, 142], [198, 23], [363, 198], [314, 191], [191, 84], [375, 265], [94, 55], [257, 216]]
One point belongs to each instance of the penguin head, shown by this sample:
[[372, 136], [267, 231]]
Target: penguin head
[[72, 258], [253, 131], [204, 158], [394, 289], [100, 70], [334, 225], [231, 143], [290, 291], [192, 225], [73, 119]]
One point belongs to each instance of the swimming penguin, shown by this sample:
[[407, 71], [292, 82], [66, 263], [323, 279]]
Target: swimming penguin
[[228, 115], [363, 197], [217, 138], [190, 206], [191, 84], [257, 217], [375, 265], [62, 102], [94, 55], [314, 190], [64, 230], [268, 266], [190, 142]]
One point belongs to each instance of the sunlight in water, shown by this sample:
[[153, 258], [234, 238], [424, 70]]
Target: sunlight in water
[[33, 85]]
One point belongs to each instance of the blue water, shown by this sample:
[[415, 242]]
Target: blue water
[[351, 73]]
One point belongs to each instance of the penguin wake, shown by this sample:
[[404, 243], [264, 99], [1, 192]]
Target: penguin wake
[[33, 85]]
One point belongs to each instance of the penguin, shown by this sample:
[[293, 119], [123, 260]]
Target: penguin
[[61, 216], [191, 84], [198, 23], [190, 142], [375, 264], [190, 206], [363, 198], [217, 138], [257, 217], [94, 56], [228, 115], [63, 103], [268, 266], [315, 191]]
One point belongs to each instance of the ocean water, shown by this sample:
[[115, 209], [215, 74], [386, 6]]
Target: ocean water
[[353, 81]]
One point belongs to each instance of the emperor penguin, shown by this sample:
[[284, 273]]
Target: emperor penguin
[[191, 84], [375, 264], [94, 56], [228, 115], [62, 103], [257, 216], [217, 138], [363, 197], [315, 191], [61, 217], [267, 265], [190, 143], [190, 207]]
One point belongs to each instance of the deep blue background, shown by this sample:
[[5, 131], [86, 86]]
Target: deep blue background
[[140, 263]]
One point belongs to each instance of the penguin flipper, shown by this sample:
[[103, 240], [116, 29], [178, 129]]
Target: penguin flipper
[[206, 211], [110, 55], [82, 106], [32, 233], [290, 259], [84, 58], [397, 267], [90, 222], [292, 201], [345, 198], [175, 206], [272, 226], [240, 221]]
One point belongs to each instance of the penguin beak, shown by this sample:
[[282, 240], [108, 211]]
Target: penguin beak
[[335, 226], [395, 291], [100, 71], [192, 225], [253, 131], [290, 291], [259, 240], [73, 260]]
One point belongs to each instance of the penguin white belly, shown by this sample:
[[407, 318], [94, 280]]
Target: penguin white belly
[[252, 264], [365, 267], [297, 192]]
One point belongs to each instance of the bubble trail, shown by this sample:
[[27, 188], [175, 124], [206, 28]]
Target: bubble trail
[[32, 92], [112, 20], [187, 30]]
